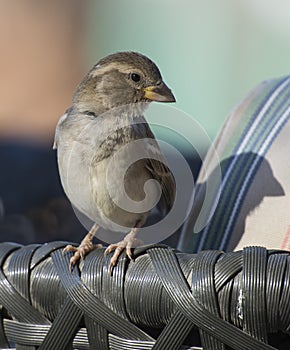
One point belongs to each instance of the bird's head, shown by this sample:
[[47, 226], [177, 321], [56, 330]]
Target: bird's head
[[120, 79]]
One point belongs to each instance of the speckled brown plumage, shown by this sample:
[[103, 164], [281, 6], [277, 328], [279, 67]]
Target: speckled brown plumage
[[113, 93]]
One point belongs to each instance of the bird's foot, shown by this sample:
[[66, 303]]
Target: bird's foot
[[129, 242], [83, 249]]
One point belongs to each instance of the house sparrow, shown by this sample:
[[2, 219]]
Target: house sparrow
[[106, 115]]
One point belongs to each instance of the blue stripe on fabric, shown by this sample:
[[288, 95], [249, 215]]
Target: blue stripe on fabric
[[258, 111], [270, 122], [249, 179], [257, 134]]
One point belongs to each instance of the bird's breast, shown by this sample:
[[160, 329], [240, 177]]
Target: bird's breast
[[106, 178]]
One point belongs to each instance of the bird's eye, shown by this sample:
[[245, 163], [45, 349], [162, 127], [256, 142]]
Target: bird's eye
[[135, 77]]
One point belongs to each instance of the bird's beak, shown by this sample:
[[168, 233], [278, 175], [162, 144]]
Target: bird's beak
[[160, 93]]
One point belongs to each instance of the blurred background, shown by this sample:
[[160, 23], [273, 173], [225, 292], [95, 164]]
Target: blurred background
[[210, 53]]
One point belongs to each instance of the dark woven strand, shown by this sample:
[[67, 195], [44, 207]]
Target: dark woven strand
[[179, 292], [253, 292], [203, 289], [235, 300]]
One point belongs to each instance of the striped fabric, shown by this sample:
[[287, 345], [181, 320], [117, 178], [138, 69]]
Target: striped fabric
[[251, 204]]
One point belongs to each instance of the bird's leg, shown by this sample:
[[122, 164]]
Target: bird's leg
[[127, 243], [84, 248]]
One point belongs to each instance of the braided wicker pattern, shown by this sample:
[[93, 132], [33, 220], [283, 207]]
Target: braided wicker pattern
[[162, 300]]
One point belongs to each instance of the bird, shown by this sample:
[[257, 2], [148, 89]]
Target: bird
[[106, 116]]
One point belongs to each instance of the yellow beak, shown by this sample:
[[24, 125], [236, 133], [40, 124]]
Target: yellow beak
[[160, 93]]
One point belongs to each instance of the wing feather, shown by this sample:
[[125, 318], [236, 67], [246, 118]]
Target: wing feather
[[157, 165]]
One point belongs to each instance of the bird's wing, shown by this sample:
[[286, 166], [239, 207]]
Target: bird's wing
[[157, 165]]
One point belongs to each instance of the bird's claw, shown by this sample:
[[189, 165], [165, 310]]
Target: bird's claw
[[79, 252], [127, 243], [129, 253], [69, 248]]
